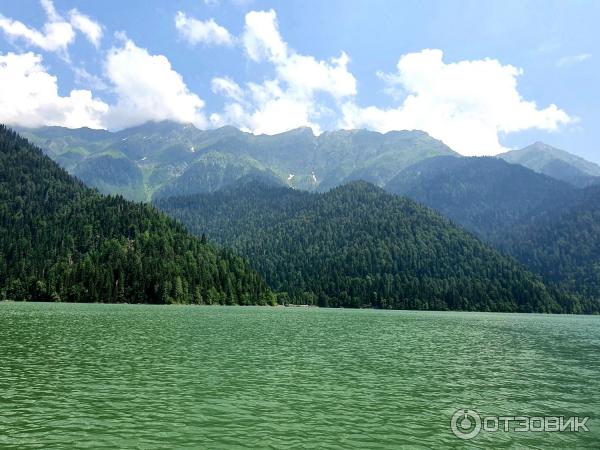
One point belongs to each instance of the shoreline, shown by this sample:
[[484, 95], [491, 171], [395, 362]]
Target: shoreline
[[304, 307]]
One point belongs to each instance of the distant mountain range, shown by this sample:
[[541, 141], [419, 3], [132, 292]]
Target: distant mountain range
[[161, 159], [167, 158]]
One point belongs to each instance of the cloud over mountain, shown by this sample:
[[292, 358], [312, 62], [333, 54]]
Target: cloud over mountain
[[148, 88], [468, 104], [29, 97], [290, 98], [465, 104]]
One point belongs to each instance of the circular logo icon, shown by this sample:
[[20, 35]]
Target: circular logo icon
[[465, 424]]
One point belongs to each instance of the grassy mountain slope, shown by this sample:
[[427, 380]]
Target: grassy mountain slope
[[214, 171], [164, 151], [112, 174]]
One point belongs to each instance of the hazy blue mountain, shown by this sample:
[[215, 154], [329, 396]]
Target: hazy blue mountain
[[166, 151], [357, 245], [485, 195], [555, 163]]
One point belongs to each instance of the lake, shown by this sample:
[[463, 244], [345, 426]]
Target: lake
[[119, 376]]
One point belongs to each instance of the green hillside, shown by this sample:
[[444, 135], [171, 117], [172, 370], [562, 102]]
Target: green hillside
[[61, 241]]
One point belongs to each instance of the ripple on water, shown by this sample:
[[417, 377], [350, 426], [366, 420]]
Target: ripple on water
[[118, 376]]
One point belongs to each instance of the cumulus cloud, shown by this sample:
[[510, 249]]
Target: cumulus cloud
[[57, 33], [145, 86], [148, 89], [90, 28], [465, 104], [288, 100], [206, 32], [567, 61], [261, 37], [29, 97]]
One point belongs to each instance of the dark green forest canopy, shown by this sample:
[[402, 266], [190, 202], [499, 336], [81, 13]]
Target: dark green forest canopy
[[485, 195], [548, 225], [563, 245], [60, 240], [359, 246]]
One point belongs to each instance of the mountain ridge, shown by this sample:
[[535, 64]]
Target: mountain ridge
[[164, 150]]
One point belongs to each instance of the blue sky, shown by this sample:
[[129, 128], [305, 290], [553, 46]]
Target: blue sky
[[483, 76]]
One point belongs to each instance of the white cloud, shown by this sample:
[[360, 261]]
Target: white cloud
[[145, 86], [148, 89], [227, 87], [90, 28], [465, 104], [86, 79], [261, 37], [290, 99], [207, 32], [29, 97], [567, 61], [57, 34], [50, 10]]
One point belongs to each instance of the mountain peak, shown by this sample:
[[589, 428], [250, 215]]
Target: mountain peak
[[304, 130], [539, 145], [543, 158]]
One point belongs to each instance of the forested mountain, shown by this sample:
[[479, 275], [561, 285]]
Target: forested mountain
[[60, 240], [563, 245], [214, 171], [176, 159], [548, 225], [555, 163], [485, 195], [357, 245]]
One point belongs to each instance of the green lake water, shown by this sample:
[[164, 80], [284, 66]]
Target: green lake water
[[119, 376]]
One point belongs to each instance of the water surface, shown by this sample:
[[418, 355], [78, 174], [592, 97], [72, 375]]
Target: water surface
[[119, 376]]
